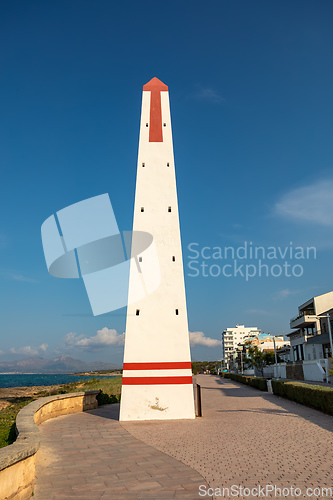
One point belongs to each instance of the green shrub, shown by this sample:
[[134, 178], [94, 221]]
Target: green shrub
[[107, 399], [315, 396], [256, 382], [7, 420]]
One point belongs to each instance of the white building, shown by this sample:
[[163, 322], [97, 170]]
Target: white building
[[310, 339], [231, 337], [157, 376], [268, 343]]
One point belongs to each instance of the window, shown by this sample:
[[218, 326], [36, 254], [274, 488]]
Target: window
[[142, 209], [137, 312], [164, 124], [168, 164], [169, 209], [177, 312], [143, 165], [173, 258], [140, 259], [301, 352], [146, 124]]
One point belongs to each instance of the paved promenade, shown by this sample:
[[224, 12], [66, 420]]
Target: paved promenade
[[245, 438], [91, 456]]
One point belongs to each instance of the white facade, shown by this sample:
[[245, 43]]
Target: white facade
[[157, 375], [310, 340], [268, 344], [231, 337], [315, 370]]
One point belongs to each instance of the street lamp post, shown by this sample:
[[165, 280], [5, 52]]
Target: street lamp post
[[241, 355], [330, 333], [275, 356]]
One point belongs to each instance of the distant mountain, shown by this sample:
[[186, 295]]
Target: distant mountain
[[63, 364]]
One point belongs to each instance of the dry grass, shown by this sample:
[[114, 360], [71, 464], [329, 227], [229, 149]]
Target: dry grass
[[12, 403]]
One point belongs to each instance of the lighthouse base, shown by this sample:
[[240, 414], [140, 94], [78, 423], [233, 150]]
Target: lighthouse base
[[157, 402]]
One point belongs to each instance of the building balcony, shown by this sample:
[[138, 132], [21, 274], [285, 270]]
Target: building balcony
[[304, 318]]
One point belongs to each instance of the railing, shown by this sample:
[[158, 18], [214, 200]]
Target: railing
[[301, 314]]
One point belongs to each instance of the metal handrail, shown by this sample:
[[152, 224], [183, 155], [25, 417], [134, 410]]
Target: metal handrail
[[303, 313]]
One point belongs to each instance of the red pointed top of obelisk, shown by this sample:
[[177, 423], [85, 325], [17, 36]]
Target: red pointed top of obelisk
[[155, 84]]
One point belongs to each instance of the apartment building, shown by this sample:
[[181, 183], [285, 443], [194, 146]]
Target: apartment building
[[267, 344], [231, 337], [310, 338]]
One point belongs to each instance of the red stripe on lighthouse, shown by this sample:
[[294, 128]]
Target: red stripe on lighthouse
[[156, 380], [163, 365], [155, 86]]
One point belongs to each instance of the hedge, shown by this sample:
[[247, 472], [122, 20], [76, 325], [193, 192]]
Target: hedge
[[256, 382], [107, 399], [316, 396]]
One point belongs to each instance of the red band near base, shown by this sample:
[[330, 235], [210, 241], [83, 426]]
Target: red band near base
[[162, 365], [156, 380]]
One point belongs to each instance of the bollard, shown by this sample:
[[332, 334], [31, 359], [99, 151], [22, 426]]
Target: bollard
[[269, 386], [199, 401]]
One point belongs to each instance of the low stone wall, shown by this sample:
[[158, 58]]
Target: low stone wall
[[314, 370], [17, 461]]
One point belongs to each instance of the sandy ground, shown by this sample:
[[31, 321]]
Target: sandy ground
[[12, 395]]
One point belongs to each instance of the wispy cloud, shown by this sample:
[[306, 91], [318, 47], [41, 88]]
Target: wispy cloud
[[208, 94], [14, 276], [110, 337], [284, 294], [199, 338], [103, 338], [30, 351], [1, 352], [20, 277], [312, 203]]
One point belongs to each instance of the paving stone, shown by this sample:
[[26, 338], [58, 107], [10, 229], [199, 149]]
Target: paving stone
[[245, 438], [144, 486], [117, 465]]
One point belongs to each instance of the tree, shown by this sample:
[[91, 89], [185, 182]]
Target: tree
[[256, 357], [259, 358], [205, 366]]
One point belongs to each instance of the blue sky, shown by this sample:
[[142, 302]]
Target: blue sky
[[252, 114]]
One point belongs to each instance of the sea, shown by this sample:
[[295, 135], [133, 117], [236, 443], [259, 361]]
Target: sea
[[29, 380]]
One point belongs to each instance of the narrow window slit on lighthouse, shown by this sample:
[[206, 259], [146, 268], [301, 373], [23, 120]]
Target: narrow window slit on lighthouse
[[142, 209], [164, 124], [177, 312], [143, 165], [146, 124], [140, 259], [168, 164], [137, 312], [169, 209], [173, 258]]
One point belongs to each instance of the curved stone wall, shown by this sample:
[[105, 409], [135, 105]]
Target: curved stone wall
[[17, 461]]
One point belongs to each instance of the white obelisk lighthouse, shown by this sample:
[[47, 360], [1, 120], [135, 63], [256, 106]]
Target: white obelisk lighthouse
[[157, 376]]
